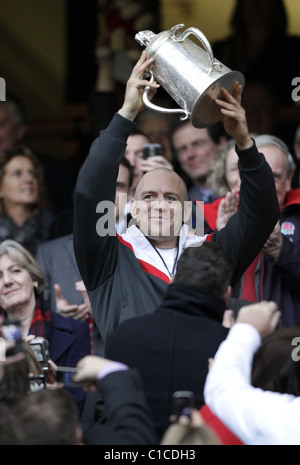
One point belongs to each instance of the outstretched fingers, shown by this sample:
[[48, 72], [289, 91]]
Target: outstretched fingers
[[236, 91], [139, 70], [133, 100], [230, 107], [229, 103], [233, 116]]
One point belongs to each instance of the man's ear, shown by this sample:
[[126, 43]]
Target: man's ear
[[227, 294], [133, 208]]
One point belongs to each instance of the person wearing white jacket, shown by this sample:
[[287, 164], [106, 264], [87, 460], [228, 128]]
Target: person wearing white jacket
[[256, 416]]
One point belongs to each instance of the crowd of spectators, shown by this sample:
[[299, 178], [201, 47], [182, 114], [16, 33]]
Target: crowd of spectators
[[110, 307]]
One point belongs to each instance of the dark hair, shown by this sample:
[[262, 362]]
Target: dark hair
[[7, 155], [47, 417], [10, 433], [217, 132], [137, 132], [273, 367], [15, 382], [178, 124], [205, 267], [127, 165]]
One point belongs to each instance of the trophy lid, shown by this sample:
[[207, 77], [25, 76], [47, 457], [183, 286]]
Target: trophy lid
[[144, 37]]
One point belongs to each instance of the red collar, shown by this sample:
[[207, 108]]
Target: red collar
[[292, 198]]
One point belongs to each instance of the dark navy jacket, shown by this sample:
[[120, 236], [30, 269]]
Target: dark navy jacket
[[69, 342], [170, 348]]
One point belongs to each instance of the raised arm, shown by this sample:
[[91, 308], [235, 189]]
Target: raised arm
[[96, 184], [247, 231]]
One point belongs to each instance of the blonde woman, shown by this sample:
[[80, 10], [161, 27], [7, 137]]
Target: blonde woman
[[22, 287]]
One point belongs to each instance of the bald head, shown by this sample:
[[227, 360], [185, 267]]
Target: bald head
[[162, 177], [160, 206]]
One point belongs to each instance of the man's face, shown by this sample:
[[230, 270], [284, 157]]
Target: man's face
[[195, 151], [134, 153], [277, 161], [122, 189], [10, 133], [159, 206]]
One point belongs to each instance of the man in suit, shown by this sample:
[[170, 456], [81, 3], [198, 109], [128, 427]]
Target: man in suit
[[171, 347], [127, 412], [58, 262]]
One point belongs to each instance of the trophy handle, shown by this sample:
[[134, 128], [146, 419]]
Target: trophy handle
[[180, 37], [154, 107]]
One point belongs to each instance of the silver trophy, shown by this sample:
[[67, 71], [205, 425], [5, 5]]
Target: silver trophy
[[189, 74]]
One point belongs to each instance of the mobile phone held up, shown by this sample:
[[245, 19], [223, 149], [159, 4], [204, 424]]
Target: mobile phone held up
[[151, 150], [183, 403], [65, 376]]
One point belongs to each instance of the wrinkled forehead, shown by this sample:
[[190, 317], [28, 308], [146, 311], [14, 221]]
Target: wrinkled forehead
[[7, 260], [162, 180], [275, 157]]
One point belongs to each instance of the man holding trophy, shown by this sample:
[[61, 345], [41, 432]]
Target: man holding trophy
[[127, 275]]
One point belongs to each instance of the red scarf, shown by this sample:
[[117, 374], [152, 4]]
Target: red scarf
[[41, 321]]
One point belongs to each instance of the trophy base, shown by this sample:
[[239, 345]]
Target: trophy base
[[206, 112]]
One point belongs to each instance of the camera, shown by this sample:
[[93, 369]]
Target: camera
[[40, 347], [151, 150], [183, 403], [12, 333]]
